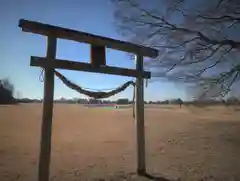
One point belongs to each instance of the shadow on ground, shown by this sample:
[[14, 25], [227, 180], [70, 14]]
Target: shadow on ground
[[155, 178], [135, 177]]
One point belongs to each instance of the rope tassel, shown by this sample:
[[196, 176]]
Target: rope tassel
[[133, 100]]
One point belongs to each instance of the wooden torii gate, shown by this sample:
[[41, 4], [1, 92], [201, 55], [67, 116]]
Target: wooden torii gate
[[98, 65]]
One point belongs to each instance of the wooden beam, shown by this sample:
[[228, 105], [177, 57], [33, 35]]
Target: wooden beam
[[139, 107], [46, 130], [98, 56], [69, 34], [71, 65]]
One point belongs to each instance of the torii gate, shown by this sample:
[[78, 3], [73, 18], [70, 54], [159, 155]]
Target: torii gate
[[98, 65]]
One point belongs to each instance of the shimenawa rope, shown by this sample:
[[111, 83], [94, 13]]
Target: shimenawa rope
[[96, 95]]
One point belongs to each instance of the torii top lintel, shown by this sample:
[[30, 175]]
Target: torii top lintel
[[69, 34]]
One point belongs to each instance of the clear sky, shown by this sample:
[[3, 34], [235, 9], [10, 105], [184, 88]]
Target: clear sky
[[92, 16]]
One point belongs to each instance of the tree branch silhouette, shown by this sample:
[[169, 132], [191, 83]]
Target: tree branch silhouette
[[197, 45]]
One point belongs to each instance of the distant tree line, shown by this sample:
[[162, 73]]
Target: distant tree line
[[7, 91], [124, 101]]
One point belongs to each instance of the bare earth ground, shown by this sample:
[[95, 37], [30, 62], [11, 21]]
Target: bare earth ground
[[99, 143]]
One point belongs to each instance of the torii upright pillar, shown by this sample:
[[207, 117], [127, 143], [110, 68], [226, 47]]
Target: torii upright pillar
[[139, 107]]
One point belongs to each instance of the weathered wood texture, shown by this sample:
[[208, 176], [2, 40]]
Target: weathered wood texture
[[98, 56], [139, 107], [80, 66], [46, 130], [69, 34]]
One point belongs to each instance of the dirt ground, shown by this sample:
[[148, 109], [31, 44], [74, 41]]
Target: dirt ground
[[99, 143]]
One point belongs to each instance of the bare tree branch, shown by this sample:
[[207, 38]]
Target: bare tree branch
[[222, 18], [219, 3], [199, 45], [173, 27]]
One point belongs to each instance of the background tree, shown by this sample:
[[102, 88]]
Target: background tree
[[179, 101], [164, 102], [122, 101], [6, 92], [198, 40], [232, 101]]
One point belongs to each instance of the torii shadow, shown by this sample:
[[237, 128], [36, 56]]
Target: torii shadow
[[154, 178]]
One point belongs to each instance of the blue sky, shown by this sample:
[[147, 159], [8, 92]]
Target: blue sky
[[92, 16]]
